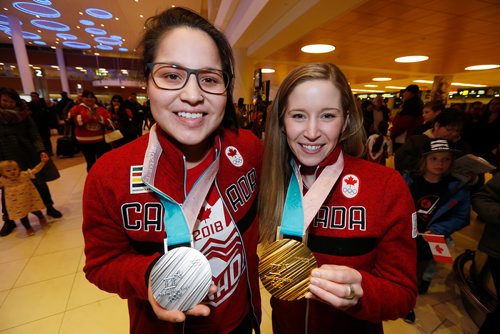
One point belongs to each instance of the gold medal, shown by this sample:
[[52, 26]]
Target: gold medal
[[285, 267]]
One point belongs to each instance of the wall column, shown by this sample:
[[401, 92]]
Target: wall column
[[243, 85], [63, 74], [23, 64]]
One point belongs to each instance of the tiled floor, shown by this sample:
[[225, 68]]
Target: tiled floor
[[43, 289]]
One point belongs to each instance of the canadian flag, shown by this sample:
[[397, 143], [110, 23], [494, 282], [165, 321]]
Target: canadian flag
[[438, 247]]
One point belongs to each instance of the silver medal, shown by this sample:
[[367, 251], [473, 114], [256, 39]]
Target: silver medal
[[181, 279]]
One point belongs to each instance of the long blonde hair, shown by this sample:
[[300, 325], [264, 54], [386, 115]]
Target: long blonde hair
[[276, 170]]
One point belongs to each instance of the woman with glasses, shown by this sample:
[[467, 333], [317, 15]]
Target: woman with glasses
[[170, 218]]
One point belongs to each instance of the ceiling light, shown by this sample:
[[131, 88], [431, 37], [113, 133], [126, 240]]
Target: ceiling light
[[36, 9], [371, 86], [67, 36], [96, 31], [423, 81], [87, 22], [99, 13], [50, 25], [267, 70], [366, 90], [411, 59], [76, 45], [381, 79], [394, 87], [317, 48], [481, 67], [466, 84]]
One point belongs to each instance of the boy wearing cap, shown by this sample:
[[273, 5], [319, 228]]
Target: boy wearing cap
[[442, 203]]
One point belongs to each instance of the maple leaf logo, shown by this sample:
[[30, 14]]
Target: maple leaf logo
[[232, 152], [425, 204], [204, 214], [350, 181], [439, 249]]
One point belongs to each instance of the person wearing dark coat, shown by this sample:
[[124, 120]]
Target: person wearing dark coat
[[486, 202], [20, 141], [409, 118]]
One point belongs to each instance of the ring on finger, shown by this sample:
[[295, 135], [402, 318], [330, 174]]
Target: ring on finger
[[350, 292]]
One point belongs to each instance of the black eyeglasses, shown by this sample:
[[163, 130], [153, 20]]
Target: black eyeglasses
[[174, 77]]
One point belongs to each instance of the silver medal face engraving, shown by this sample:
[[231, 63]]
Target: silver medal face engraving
[[181, 279]]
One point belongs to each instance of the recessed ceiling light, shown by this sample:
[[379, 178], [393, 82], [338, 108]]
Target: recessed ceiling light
[[268, 70], [394, 87], [466, 84], [317, 48], [381, 79], [411, 59], [423, 81], [371, 86], [482, 67]]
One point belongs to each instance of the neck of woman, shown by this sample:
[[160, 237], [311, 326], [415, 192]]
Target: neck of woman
[[308, 175]]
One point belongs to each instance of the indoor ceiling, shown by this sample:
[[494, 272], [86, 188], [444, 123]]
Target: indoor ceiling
[[368, 35]]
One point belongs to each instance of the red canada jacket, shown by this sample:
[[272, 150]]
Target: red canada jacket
[[124, 232], [366, 224], [89, 128]]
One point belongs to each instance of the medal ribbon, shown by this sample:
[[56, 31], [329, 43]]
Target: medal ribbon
[[181, 218], [299, 211]]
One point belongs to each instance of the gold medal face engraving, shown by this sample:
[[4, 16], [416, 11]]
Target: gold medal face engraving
[[284, 268]]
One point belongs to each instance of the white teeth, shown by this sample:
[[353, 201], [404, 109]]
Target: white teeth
[[311, 147], [190, 115]]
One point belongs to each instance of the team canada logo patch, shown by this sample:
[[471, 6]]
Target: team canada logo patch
[[350, 185], [234, 156]]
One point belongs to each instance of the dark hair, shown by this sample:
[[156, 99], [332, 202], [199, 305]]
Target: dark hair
[[450, 116], [88, 93], [122, 113], [382, 128], [176, 17], [13, 95]]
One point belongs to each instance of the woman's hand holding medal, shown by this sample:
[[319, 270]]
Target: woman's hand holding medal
[[199, 310], [338, 286]]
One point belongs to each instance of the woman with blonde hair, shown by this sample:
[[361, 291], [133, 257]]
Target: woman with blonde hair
[[361, 241]]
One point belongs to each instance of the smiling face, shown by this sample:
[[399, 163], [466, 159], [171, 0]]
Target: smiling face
[[314, 121], [189, 115]]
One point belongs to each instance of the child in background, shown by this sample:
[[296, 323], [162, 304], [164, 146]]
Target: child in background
[[21, 196], [442, 204], [379, 145]]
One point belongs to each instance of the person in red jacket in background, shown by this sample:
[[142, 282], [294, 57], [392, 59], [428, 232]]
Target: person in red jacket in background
[[136, 194], [90, 122], [363, 242]]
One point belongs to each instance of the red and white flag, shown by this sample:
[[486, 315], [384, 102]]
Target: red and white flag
[[438, 247]]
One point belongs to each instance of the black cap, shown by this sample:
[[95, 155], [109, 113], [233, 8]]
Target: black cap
[[413, 89], [438, 145]]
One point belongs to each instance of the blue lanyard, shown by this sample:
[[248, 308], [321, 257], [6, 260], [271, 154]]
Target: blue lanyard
[[177, 226], [292, 222]]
